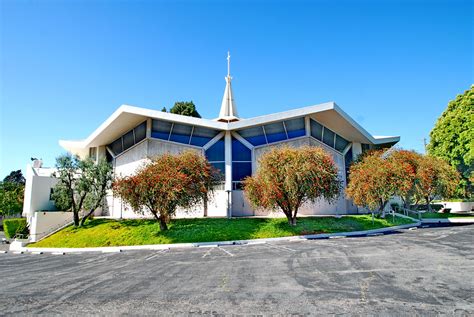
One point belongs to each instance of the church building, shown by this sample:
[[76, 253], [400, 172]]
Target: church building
[[232, 144]]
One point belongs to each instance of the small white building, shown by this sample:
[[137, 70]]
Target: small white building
[[132, 135]]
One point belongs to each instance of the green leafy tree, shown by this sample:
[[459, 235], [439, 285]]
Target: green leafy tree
[[452, 139], [82, 184], [11, 198], [12, 191], [15, 177], [185, 108], [166, 183], [289, 177]]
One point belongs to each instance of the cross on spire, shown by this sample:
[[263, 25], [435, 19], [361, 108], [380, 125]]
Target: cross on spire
[[228, 64], [228, 111]]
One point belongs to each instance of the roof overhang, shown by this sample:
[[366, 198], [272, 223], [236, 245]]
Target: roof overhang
[[127, 117]]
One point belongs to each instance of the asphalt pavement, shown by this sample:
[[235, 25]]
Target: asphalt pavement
[[414, 272]]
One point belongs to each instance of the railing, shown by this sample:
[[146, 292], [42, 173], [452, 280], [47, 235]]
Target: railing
[[407, 212]]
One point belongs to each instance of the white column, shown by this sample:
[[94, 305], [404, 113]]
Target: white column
[[228, 170], [148, 127], [307, 125], [356, 150]]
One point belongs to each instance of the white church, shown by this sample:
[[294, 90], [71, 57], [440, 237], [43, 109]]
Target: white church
[[132, 135]]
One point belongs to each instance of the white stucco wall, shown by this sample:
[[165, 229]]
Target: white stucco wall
[[43, 223], [129, 161], [38, 184]]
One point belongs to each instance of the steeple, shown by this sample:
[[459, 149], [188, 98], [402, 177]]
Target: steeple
[[228, 111]]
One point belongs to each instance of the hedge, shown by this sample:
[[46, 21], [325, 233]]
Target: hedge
[[13, 226]]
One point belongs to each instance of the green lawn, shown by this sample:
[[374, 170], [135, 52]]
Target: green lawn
[[443, 215], [106, 232]]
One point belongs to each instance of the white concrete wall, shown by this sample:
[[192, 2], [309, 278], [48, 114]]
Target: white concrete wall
[[39, 182], [129, 161], [43, 223], [459, 207]]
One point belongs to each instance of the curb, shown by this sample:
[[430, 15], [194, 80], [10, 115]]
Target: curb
[[453, 220], [118, 249]]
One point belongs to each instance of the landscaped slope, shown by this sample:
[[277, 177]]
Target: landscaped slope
[[106, 232]]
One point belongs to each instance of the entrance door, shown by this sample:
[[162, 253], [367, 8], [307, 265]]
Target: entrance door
[[240, 205]]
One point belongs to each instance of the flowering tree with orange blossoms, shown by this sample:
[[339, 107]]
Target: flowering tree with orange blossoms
[[408, 162], [288, 177], [436, 178], [166, 183], [376, 178]]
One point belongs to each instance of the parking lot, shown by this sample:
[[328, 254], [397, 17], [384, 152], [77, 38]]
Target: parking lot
[[411, 272]]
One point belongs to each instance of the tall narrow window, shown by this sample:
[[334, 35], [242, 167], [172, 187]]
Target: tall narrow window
[[216, 156], [241, 163]]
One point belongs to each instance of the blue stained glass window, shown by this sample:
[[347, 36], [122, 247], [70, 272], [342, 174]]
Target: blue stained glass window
[[201, 136], [241, 170], [328, 137], [295, 128], [160, 129], [181, 133], [240, 152], [275, 132], [221, 167], [316, 130], [216, 153], [341, 143], [254, 135]]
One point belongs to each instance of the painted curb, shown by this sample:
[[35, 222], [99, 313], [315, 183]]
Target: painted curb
[[118, 249]]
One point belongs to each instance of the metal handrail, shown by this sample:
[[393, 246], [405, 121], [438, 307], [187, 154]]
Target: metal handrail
[[406, 212]]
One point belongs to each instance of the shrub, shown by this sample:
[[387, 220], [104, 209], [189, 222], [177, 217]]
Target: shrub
[[13, 226]]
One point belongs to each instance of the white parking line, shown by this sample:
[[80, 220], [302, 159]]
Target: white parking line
[[156, 254], [280, 247], [225, 251], [207, 253]]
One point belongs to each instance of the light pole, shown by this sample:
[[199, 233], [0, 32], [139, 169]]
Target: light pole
[[228, 191]]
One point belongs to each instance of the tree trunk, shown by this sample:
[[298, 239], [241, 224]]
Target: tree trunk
[[205, 205], [428, 205], [83, 220], [163, 225], [76, 217], [293, 221], [161, 219], [382, 208]]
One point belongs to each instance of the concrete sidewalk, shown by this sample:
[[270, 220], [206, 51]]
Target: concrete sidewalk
[[3, 246]]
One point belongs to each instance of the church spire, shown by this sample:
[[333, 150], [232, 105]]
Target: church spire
[[228, 111]]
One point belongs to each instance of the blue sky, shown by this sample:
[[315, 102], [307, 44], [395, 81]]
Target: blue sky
[[67, 65]]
